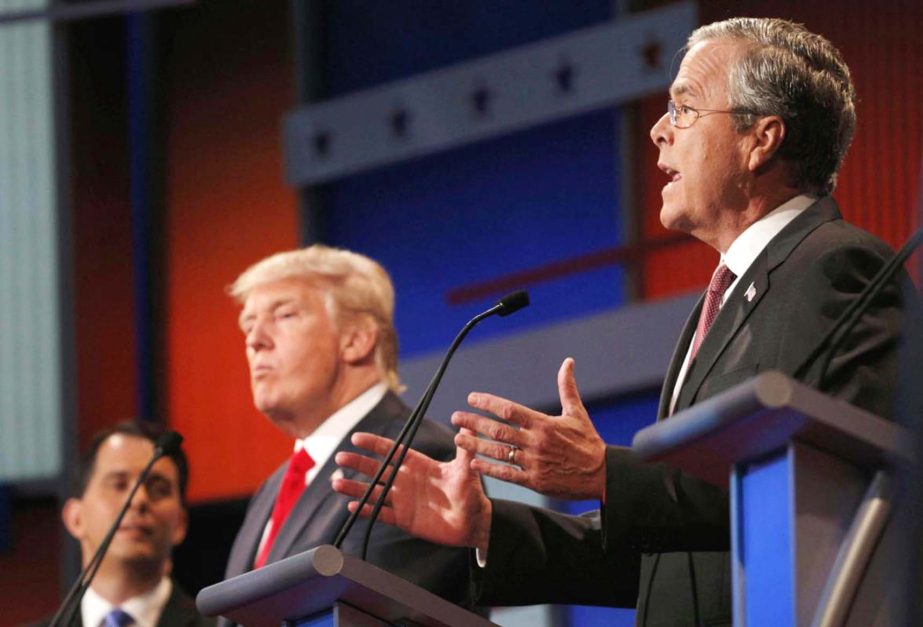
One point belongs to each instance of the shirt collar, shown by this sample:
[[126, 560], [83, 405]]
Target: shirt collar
[[324, 440], [145, 608], [749, 244]]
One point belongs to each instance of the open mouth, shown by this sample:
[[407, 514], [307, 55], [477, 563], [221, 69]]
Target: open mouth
[[673, 174]]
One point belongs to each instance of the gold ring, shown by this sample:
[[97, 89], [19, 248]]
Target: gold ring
[[511, 455]]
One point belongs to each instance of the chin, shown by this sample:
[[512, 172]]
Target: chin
[[670, 218]]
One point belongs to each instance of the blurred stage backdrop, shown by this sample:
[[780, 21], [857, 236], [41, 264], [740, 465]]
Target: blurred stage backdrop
[[151, 150]]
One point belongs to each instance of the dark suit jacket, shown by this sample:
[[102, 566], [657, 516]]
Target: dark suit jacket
[[320, 512], [180, 611], [661, 541]]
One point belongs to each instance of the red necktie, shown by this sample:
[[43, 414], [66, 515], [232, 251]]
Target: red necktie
[[720, 281], [292, 486]]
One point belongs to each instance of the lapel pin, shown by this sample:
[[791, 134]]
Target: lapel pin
[[750, 293]]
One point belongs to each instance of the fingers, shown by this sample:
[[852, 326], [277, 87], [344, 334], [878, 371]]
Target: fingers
[[489, 427], [386, 515], [502, 408], [356, 489], [571, 403], [463, 455], [360, 463], [510, 474], [372, 443], [353, 488]]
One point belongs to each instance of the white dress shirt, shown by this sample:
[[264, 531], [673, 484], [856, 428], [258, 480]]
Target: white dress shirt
[[145, 609], [324, 440], [741, 254]]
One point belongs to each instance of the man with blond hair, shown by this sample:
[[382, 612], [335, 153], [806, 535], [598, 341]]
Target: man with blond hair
[[322, 352]]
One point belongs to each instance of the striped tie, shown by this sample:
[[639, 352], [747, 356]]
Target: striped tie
[[720, 281]]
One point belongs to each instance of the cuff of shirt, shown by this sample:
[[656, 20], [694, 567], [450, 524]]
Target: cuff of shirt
[[481, 558]]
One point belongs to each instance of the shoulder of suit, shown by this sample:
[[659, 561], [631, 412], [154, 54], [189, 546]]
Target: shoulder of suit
[[432, 438], [835, 248]]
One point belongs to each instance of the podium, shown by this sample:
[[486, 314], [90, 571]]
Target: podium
[[325, 586], [811, 490]]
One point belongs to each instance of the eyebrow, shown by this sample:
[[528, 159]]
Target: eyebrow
[[273, 305], [683, 88]]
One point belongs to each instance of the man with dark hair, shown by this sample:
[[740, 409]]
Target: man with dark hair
[[133, 584], [760, 117]]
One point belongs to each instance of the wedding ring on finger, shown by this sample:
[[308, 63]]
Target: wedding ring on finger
[[511, 455]]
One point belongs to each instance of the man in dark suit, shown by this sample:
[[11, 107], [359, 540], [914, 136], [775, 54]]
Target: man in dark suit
[[133, 582], [322, 351], [760, 117]]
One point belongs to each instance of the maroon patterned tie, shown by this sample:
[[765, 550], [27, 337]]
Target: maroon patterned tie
[[720, 281]]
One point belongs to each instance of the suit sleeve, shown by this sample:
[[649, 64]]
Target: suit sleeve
[[654, 508], [540, 556]]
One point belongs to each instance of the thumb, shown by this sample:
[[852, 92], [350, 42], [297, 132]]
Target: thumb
[[571, 402], [463, 456]]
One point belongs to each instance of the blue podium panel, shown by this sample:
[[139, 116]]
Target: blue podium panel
[[763, 522], [340, 615], [324, 619]]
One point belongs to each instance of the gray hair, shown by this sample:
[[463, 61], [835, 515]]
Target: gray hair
[[788, 71], [356, 285]]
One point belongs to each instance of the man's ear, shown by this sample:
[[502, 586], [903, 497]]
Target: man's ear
[[71, 515], [182, 526], [358, 340], [768, 134]]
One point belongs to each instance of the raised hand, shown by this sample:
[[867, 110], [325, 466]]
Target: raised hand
[[559, 456], [443, 502]]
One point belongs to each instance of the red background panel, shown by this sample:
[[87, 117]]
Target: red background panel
[[226, 207]]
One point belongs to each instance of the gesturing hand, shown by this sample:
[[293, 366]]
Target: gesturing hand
[[443, 502], [559, 456]]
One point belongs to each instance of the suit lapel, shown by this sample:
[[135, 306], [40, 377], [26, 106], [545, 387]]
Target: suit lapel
[[297, 526], [318, 499], [747, 295], [676, 362], [251, 532], [179, 610]]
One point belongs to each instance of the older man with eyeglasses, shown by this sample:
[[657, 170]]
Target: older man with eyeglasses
[[760, 117]]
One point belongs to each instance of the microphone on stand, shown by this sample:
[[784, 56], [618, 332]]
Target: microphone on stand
[[166, 444], [507, 305]]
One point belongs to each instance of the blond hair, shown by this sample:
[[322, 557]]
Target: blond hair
[[356, 285]]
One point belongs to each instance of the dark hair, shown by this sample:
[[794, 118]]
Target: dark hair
[[145, 430], [789, 71]]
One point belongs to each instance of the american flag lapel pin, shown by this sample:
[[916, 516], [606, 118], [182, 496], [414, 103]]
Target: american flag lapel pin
[[750, 293]]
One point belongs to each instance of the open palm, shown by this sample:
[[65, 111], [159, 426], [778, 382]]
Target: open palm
[[443, 502]]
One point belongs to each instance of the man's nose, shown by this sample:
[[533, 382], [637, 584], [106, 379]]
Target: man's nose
[[662, 131], [257, 337], [141, 500]]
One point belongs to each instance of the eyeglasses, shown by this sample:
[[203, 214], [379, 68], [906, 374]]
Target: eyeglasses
[[684, 116]]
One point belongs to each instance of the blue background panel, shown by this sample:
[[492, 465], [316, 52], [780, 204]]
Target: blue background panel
[[482, 212], [375, 42], [617, 421]]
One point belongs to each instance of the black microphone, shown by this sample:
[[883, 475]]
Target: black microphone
[[507, 305], [851, 315], [511, 303], [166, 444]]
